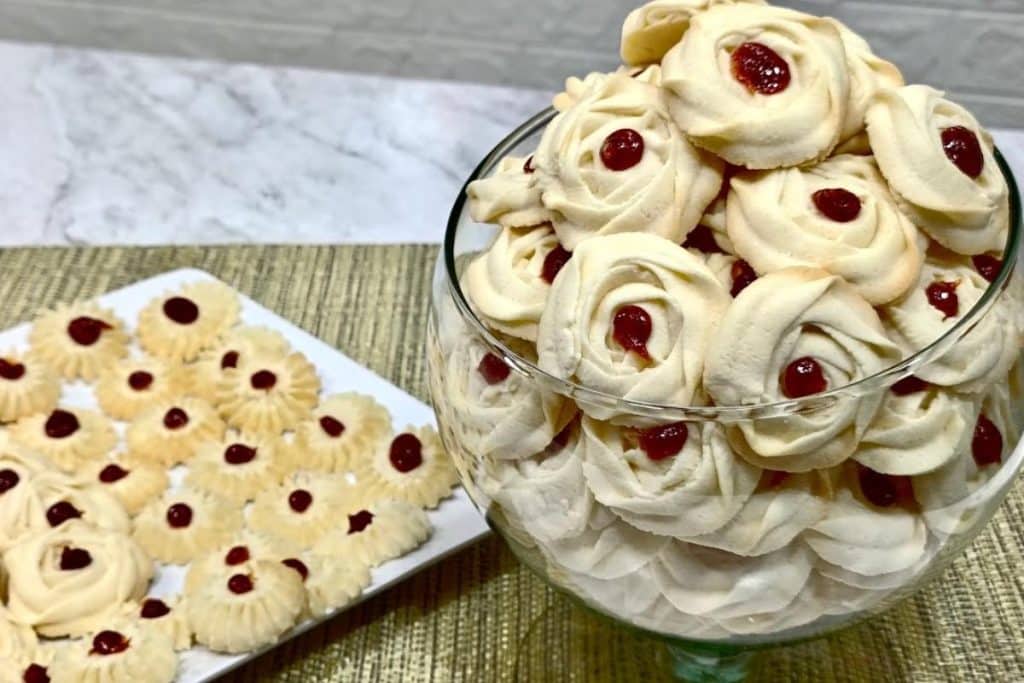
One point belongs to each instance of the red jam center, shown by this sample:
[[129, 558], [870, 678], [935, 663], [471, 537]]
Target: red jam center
[[963, 149], [773, 479], [237, 555], [359, 521], [86, 331], [140, 380], [987, 444], [263, 380], [743, 276], [112, 473], [664, 441], [11, 370], [299, 500], [528, 165], [884, 490], [631, 328], [987, 266], [229, 360], [760, 69], [8, 480], [332, 427], [179, 516], [837, 204], [297, 565], [803, 377], [240, 584], [72, 559], [909, 385], [109, 643], [942, 296], [61, 424], [175, 418], [553, 263], [36, 673], [702, 239], [154, 609], [239, 454], [60, 512], [493, 369], [181, 310], [406, 453], [622, 150]]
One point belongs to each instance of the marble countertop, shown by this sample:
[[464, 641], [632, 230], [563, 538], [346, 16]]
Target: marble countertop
[[111, 148]]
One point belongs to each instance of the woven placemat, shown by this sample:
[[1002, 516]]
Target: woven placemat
[[479, 616]]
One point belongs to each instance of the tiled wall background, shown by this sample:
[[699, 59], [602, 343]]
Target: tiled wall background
[[972, 48]]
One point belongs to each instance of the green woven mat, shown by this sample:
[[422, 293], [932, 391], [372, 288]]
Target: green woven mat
[[479, 616]]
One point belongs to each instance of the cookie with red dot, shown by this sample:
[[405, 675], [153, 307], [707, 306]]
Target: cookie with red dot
[[413, 466], [179, 325], [78, 341]]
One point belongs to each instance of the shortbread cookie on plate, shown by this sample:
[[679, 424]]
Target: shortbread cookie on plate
[[78, 341], [132, 385], [27, 386], [124, 652], [331, 583], [165, 615], [69, 580], [413, 466], [63, 498], [170, 432], [179, 325], [344, 428], [268, 394], [70, 437], [304, 507], [133, 483], [183, 525], [238, 467], [244, 547], [237, 345], [246, 607], [376, 534]]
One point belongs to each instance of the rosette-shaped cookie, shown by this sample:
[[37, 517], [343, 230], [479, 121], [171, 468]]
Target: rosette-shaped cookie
[[238, 467], [168, 433], [509, 197], [377, 533], [125, 655], [344, 429], [631, 316], [413, 466], [240, 343], [499, 412], [63, 499], [131, 386], [509, 283], [946, 291], [27, 386], [760, 86], [245, 607], [268, 394], [303, 508], [679, 479], [167, 616], [918, 428], [69, 580], [615, 162], [178, 325], [791, 334], [133, 483], [576, 87], [837, 215], [653, 29], [183, 525], [869, 73], [70, 437], [78, 341], [939, 161], [722, 586]]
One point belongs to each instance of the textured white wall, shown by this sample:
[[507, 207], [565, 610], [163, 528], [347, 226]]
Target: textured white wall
[[973, 48]]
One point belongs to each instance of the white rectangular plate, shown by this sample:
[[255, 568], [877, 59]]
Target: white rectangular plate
[[456, 522]]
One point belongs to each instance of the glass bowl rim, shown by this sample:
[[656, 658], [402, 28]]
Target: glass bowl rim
[[874, 383]]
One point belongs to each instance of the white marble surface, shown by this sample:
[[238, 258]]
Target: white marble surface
[[110, 148]]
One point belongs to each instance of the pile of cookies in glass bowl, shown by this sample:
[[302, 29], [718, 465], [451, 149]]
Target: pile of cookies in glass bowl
[[738, 354], [213, 456]]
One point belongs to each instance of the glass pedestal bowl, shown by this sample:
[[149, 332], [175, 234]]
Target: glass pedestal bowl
[[709, 554]]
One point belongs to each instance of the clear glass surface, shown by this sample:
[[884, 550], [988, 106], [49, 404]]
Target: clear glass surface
[[520, 453]]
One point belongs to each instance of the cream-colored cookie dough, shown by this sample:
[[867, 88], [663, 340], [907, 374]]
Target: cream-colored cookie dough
[[969, 215]]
